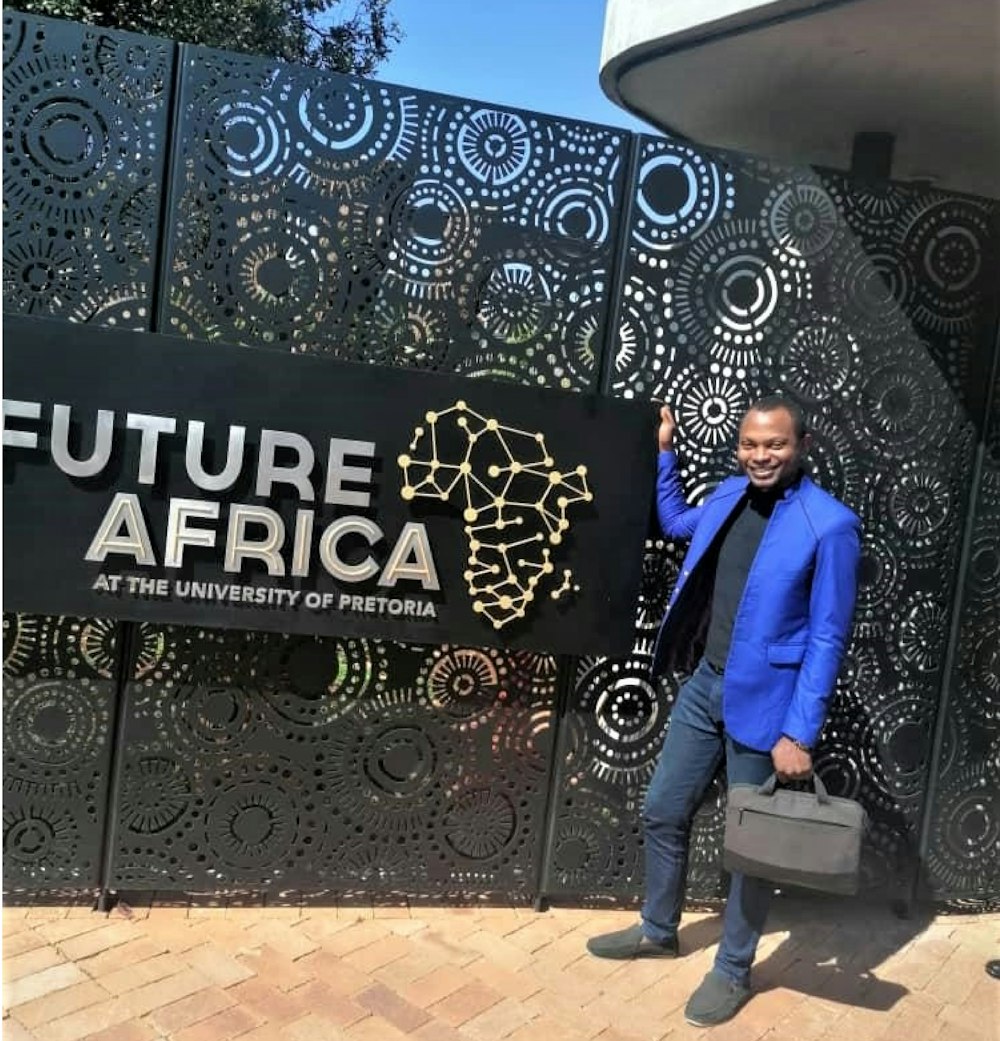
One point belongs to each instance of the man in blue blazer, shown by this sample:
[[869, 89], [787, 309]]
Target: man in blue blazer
[[761, 612]]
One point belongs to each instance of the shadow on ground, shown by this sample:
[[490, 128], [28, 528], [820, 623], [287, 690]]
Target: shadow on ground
[[833, 947]]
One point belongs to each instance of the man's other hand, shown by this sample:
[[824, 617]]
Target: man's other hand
[[791, 763]]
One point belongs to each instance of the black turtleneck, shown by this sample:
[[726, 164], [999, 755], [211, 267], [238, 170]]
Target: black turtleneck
[[744, 530]]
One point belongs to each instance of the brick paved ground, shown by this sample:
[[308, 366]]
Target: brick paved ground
[[827, 969]]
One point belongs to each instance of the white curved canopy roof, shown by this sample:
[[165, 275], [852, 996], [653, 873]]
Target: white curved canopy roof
[[795, 80]]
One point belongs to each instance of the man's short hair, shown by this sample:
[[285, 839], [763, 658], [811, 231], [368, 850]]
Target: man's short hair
[[772, 402]]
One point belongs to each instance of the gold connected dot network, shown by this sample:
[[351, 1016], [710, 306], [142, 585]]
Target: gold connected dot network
[[514, 504]]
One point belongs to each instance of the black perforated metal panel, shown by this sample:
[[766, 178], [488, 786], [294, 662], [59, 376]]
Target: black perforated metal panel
[[58, 703], [325, 213], [256, 760], [869, 308]]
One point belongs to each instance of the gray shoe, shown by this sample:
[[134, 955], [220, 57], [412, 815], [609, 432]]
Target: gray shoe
[[631, 943], [717, 999]]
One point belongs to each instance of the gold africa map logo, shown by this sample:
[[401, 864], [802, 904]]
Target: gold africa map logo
[[514, 502]]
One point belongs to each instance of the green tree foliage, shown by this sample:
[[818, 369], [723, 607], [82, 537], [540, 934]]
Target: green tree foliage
[[332, 34]]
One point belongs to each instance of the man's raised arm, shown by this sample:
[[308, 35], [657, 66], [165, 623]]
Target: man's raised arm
[[677, 519]]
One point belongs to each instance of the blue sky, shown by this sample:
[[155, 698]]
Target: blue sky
[[536, 54]]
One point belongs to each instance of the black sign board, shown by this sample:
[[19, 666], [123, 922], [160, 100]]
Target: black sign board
[[153, 478]]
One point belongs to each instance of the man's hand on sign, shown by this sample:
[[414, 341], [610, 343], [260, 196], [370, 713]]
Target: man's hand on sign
[[665, 435]]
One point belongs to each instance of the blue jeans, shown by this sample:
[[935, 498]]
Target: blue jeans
[[691, 753]]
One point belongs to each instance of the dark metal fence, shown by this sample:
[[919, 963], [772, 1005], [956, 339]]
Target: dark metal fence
[[222, 197]]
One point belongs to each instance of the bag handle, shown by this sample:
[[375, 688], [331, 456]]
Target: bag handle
[[822, 796]]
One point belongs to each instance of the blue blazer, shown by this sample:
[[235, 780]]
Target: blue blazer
[[794, 619]]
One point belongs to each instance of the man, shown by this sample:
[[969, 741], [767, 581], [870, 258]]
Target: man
[[762, 609]]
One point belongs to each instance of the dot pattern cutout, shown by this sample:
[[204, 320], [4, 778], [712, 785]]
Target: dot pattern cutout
[[964, 852], [514, 500], [329, 214], [58, 698], [85, 115], [276, 761]]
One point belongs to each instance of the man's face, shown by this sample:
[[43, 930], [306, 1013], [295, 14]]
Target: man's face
[[768, 452]]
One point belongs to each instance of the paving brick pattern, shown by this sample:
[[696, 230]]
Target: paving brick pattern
[[218, 971]]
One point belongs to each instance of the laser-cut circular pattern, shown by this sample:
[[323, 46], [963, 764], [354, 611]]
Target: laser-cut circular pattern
[[158, 653], [896, 746], [374, 864], [118, 307], [53, 730], [15, 34], [350, 128], [398, 331], [384, 765], [946, 242], [917, 630], [881, 576], [571, 210], [915, 506], [679, 194], [156, 793], [262, 818], [20, 638], [466, 684], [211, 716], [43, 845], [480, 824], [65, 149], [839, 767], [594, 846], [283, 277], [514, 303], [733, 293], [623, 713], [524, 737], [660, 570], [898, 410], [958, 730], [863, 675], [983, 573], [494, 149], [965, 851], [130, 236], [980, 667], [247, 137], [533, 678], [642, 358], [309, 681], [833, 462], [708, 410], [705, 879], [875, 286], [136, 66], [431, 231], [871, 210], [582, 314], [801, 220], [192, 319], [44, 277], [62, 650], [818, 361], [506, 366]]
